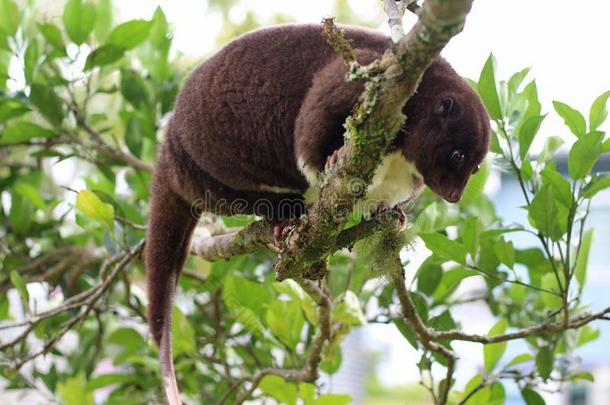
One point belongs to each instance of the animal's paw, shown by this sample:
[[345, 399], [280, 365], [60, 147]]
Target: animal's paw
[[280, 230], [331, 161], [385, 209]]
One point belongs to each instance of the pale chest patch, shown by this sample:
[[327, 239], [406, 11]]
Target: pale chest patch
[[395, 180]]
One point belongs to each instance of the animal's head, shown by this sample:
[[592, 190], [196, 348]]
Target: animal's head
[[447, 131]]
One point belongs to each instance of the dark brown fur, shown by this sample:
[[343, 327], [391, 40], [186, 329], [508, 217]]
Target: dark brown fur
[[246, 115]]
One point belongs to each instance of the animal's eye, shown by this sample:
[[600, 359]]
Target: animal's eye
[[476, 169], [457, 157]]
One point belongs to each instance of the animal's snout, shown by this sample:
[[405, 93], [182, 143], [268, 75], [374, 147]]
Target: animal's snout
[[453, 196]]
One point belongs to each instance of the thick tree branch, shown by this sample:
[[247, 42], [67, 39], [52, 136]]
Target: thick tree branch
[[395, 11], [233, 243], [259, 235], [371, 128]]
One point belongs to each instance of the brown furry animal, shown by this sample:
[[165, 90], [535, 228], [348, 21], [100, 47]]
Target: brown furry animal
[[254, 125]]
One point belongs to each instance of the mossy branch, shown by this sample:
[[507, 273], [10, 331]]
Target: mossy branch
[[370, 130]]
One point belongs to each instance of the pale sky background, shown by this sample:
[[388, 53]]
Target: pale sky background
[[565, 43]]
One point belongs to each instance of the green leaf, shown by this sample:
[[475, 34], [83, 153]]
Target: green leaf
[[533, 104], [493, 352], [598, 112], [128, 338], [349, 311], [134, 135], [9, 17], [545, 214], [4, 46], [551, 301], [73, 391], [294, 290], [527, 132], [307, 392], [52, 34], [471, 235], [598, 182], [444, 321], [444, 247], [133, 88], [89, 204], [505, 252], [30, 61], [31, 193], [497, 394], [21, 287], [246, 306], [24, 131], [182, 332], [332, 359], [583, 375], [481, 396], [572, 118], [105, 380], [258, 294], [520, 358], [516, 79], [561, 187], [20, 216], [406, 331], [495, 143], [11, 109], [48, 103], [103, 19], [331, 399], [531, 397], [129, 34], [584, 154], [526, 169], [474, 189], [587, 334], [606, 146], [517, 293], [285, 320], [278, 388], [79, 20], [544, 362], [450, 282], [104, 55], [551, 144], [487, 89], [159, 29], [582, 260], [4, 308], [429, 277], [250, 320]]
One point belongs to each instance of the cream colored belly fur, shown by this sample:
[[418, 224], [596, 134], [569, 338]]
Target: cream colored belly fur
[[395, 180]]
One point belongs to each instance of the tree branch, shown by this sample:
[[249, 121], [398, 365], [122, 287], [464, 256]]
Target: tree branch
[[371, 128], [552, 327], [84, 302], [257, 235], [309, 372]]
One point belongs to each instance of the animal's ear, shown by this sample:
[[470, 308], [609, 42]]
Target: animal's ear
[[444, 107]]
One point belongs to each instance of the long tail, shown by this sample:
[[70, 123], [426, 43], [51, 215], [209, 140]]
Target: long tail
[[170, 228]]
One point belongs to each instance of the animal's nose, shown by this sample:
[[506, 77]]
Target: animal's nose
[[453, 196]]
